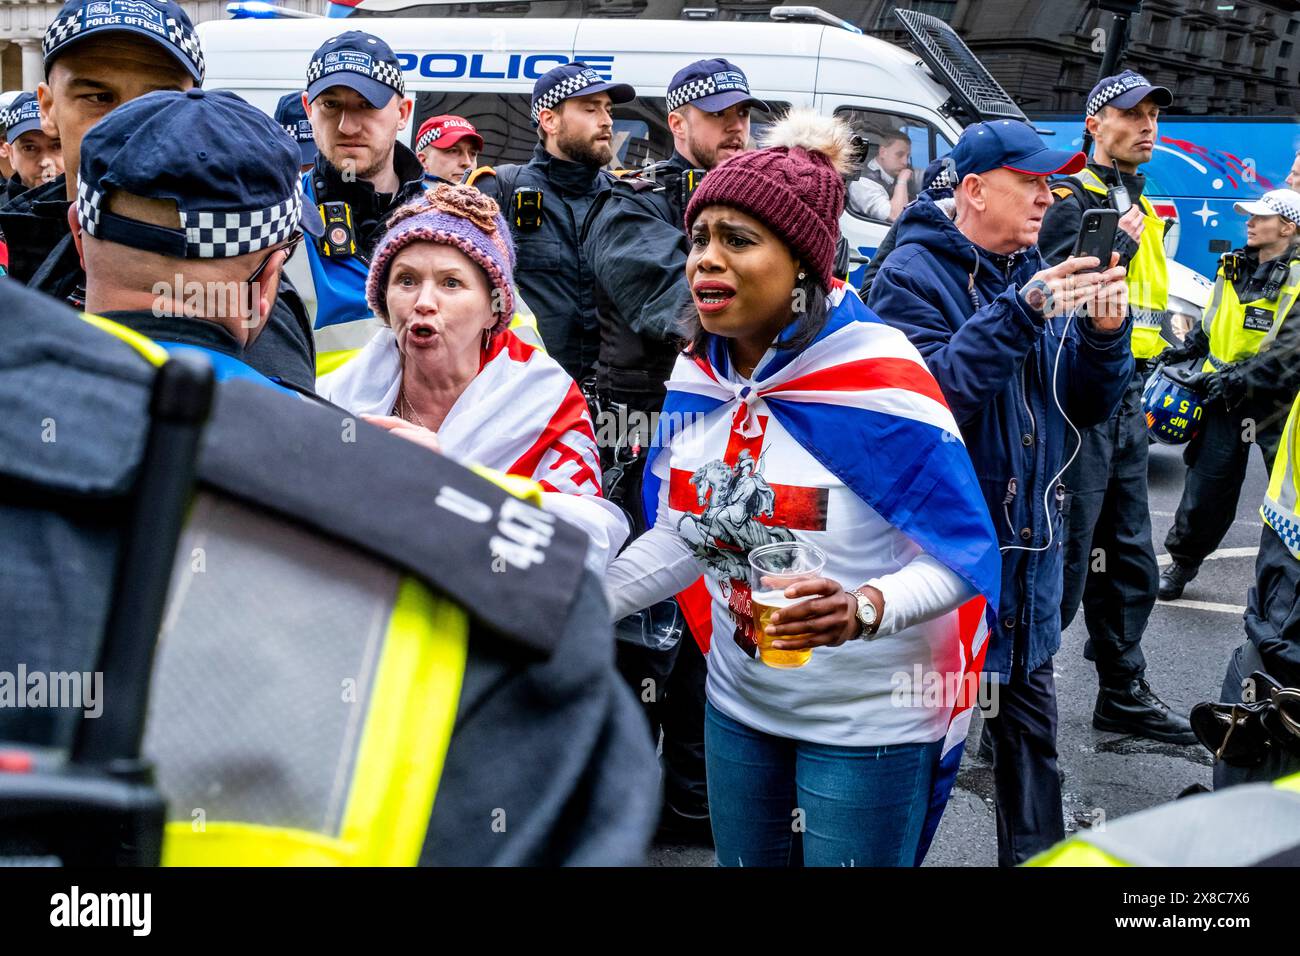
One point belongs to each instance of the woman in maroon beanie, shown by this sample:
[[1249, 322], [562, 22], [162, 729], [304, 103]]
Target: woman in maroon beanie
[[797, 419]]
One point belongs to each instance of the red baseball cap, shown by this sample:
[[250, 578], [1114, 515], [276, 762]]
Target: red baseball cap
[[445, 132]]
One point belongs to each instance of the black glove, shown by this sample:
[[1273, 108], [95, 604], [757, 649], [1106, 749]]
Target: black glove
[[1199, 383], [1174, 355], [1215, 386]]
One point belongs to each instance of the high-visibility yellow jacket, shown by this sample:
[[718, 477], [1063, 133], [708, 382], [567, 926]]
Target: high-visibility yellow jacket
[[1147, 277]]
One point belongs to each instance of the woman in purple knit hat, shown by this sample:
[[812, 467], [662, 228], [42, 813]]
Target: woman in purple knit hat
[[447, 372], [807, 466]]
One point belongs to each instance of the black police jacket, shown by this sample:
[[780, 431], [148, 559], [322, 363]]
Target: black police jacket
[[13, 189], [637, 246], [370, 209], [546, 731], [34, 223], [551, 268]]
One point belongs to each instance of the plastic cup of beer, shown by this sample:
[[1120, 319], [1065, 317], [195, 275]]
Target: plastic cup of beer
[[772, 569]]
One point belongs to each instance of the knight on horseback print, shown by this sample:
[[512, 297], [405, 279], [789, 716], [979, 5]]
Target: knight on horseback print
[[734, 498]]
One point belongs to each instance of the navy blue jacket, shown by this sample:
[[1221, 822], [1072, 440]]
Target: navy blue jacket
[[551, 268], [995, 363]]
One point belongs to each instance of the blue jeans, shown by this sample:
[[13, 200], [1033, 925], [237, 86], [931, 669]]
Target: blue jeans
[[852, 806]]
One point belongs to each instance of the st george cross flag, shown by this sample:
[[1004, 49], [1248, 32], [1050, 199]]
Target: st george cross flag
[[521, 414], [861, 401]]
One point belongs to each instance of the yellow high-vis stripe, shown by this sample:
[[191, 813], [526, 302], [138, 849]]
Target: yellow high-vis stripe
[[408, 729], [398, 761], [147, 347]]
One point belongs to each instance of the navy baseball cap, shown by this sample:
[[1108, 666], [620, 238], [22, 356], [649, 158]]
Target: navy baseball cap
[[230, 169], [711, 85], [1013, 145], [22, 116], [164, 21], [1126, 90], [574, 79], [360, 61], [292, 117]]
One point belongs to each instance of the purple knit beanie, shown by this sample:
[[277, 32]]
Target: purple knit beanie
[[459, 216], [794, 186]]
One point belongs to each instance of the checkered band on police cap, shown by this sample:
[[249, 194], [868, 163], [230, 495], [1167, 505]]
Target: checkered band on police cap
[[1126, 82], [430, 137], [565, 88], [381, 71], [164, 19], [214, 235], [690, 91], [1284, 205]]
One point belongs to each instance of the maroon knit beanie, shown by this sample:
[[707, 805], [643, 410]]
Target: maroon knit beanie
[[793, 185]]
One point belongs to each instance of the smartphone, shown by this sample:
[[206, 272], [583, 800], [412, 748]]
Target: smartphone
[[1097, 237]]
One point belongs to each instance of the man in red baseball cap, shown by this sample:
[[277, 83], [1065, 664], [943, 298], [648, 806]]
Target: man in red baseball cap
[[448, 147]]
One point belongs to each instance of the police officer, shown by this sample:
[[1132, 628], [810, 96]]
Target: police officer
[[6, 170], [546, 203], [356, 101], [210, 288], [1110, 563], [481, 723], [96, 58], [1249, 377], [636, 245], [636, 242], [100, 54], [292, 117], [1273, 608], [448, 148], [35, 157]]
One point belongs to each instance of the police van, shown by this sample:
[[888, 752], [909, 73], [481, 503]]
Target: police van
[[484, 69]]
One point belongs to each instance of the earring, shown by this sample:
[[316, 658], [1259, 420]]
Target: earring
[[802, 276]]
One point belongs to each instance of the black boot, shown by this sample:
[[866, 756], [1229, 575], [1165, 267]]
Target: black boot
[[677, 829], [1135, 709], [1173, 579]]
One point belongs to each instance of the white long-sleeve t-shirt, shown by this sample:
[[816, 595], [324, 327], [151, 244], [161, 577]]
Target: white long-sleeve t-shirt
[[861, 693]]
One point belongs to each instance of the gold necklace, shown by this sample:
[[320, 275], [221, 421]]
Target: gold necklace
[[414, 416]]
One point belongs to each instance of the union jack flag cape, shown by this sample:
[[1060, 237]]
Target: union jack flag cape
[[860, 399], [522, 414]]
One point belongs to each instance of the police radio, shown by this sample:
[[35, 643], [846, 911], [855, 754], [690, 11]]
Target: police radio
[[339, 239], [526, 208], [1118, 194], [1276, 278]]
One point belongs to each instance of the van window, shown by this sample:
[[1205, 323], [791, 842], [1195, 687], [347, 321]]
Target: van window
[[889, 143], [641, 135]]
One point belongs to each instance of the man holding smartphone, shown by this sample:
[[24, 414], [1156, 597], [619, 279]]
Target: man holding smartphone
[[1110, 563], [1016, 346]]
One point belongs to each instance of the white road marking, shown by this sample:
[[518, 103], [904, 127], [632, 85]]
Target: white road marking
[[1253, 523], [1164, 559], [1236, 609]]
